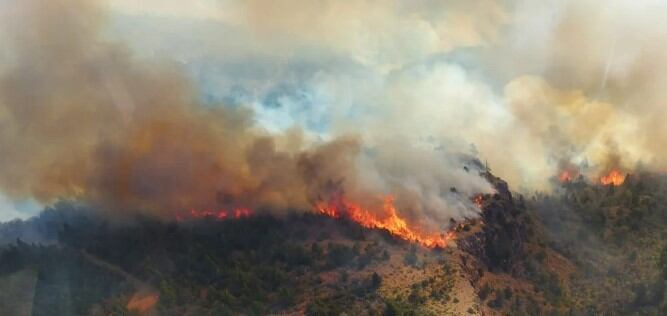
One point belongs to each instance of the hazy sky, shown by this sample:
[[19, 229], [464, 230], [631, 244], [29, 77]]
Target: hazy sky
[[197, 9]]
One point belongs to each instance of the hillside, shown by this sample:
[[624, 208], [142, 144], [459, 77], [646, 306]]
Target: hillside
[[261, 265], [614, 238], [587, 249]]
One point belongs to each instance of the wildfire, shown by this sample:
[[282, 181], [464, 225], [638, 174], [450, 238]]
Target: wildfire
[[614, 178], [142, 303], [478, 200], [390, 221], [219, 214], [567, 176]]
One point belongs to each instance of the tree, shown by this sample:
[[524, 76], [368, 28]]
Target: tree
[[376, 280], [411, 256], [662, 263]]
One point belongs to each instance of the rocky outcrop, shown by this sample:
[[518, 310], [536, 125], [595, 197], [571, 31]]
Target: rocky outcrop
[[499, 244]]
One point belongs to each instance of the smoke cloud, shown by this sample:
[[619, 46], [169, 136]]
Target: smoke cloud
[[274, 106], [82, 117], [534, 87]]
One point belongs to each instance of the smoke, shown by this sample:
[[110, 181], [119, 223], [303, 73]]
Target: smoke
[[82, 118], [385, 34], [534, 87], [276, 105], [582, 82]]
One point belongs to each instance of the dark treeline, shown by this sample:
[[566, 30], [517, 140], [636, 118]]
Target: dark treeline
[[249, 266]]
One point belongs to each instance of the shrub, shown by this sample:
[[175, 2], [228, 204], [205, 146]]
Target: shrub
[[484, 292]]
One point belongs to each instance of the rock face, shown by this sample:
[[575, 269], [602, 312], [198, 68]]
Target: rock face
[[500, 241]]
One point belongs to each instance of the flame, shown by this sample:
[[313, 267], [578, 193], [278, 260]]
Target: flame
[[567, 176], [478, 200], [391, 221], [219, 214], [141, 303], [614, 178]]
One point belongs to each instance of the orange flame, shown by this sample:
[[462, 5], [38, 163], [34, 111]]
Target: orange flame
[[391, 221], [614, 178], [219, 214], [567, 176], [478, 200], [142, 303]]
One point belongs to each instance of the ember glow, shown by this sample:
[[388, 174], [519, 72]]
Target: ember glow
[[567, 176], [236, 213], [141, 303], [614, 178], [478, 200], [389, 220]]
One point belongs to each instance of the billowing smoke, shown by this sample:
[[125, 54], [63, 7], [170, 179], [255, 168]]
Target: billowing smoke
[[82, 118], [534, 87], [164, 105]]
